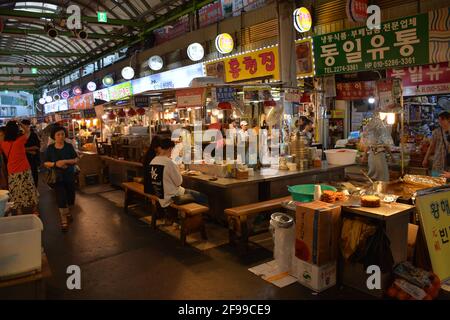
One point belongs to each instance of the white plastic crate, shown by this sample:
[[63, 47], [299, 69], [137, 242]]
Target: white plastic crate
[[20, 245]]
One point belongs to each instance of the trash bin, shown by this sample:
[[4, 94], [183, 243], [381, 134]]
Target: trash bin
[[282, 227]]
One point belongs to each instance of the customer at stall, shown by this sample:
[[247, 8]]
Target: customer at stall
[[22, 190], [62, 158], [242, 142], [33, 147], [152, 152], [308, 131], [166, 180], [440, 146]]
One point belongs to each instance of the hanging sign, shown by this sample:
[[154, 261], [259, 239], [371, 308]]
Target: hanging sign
[[401, 42], [423, 80], [224, 43], [142, 102], [84, 101], [89, 113], [65, 94], [434, 213], [99, 111], [257, 93], [302, 20], [102, 94], [216, 69], [190, 97], [223, 94], [304, 58], [356, 10], [252, 65], [210, 14], [120, 91], [292, 95], [359, 90]]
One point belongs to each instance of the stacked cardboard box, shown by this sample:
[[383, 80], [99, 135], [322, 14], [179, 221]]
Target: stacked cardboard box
[[317, 244]]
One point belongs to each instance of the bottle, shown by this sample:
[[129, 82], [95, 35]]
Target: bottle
[[317, 192]]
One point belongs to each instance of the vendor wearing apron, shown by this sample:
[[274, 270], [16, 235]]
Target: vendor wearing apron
[[376, 140], [440, 147]]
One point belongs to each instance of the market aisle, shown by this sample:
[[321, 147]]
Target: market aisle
[[122, 258]]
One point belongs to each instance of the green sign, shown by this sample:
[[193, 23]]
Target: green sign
[[34, 70], [120, 91], [402, 42], [101, 16]]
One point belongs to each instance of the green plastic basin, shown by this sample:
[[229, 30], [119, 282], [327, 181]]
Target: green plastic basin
[[305, 192]]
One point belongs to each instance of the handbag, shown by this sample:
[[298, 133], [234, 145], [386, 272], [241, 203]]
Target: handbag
[[51, 177]]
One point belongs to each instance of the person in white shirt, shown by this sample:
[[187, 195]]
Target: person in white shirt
[[165, 178]]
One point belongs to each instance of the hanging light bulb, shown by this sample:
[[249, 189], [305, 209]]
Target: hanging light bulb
[[390, 118], [128, 73]]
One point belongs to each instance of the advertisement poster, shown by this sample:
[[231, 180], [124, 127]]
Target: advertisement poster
[[388, 93], [172, 31], [84, 101], [102, 94], [252, 65], [423, 80], [303, 58], [216, 69], [401, 42], [210, 14], [120, 91], [434, 213]]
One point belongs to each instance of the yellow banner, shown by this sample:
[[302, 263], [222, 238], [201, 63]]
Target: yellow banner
[[434, 210], [252, 65]]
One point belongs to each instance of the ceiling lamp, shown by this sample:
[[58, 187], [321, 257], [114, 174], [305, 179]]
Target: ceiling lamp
[[155, 63], [48, 99], [77, 91], [65, 94], [195, 51], [128, 73], [51, 32], [108, 81], [224, 43], [42, 100], [302, 20], [91, 86], [81, 34]]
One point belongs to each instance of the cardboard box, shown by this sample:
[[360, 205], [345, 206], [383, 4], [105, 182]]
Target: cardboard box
[[314, 277], [317, 232]]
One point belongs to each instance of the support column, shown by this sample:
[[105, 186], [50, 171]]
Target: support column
[[286, 40]]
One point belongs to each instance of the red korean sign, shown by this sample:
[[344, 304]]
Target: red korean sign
[[190, 97], [252, 65], [423, 80], [355, 90], [209, 14]]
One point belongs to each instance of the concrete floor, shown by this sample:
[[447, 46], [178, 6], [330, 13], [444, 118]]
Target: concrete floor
[[122, 258]]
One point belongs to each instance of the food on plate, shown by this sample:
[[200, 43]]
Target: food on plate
[[330, 196], [370, 201]]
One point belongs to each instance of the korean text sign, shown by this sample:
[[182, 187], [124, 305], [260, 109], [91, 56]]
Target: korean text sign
[[398, 43], [261, 63], [120, 91], [190, 97], [434, 211], [421, 80]]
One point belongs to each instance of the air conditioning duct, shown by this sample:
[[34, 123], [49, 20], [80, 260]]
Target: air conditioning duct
[[81, 34], [52, 32]]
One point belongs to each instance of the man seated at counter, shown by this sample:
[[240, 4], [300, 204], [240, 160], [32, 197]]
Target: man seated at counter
[[163, 179]]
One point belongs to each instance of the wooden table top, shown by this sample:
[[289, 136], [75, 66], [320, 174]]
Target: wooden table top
[[45, 273], [384, 212]]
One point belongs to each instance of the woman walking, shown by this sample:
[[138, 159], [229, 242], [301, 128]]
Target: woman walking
[[61, 157], [22, 190]]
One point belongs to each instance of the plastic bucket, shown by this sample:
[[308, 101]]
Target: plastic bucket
[[305, 192]]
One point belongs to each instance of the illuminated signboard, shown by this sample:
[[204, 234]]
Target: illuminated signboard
[[172, 79], [120, 91]]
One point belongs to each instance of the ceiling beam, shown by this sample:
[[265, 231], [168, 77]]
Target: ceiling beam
[[155, 24], [39, 66], [40, 53], [91, 36], [91, 20], [22, 75], [17, 88]]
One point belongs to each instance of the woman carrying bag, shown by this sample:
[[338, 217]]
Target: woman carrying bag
[[61, 159]]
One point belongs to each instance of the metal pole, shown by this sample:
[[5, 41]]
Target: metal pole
[[402, 130]]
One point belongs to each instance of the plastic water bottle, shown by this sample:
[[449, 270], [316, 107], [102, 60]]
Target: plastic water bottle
[[317, 192]]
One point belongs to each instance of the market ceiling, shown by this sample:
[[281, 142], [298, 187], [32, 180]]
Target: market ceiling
[[25, 44]]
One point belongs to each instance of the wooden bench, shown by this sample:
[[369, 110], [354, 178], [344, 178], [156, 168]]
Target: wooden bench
[[237, 219], [190, 214]]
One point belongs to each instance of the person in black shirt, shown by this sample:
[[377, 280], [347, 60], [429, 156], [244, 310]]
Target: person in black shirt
[[62, 157], [33, 147]]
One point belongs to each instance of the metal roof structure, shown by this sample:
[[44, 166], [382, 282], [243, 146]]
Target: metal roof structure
[[25, 43]]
